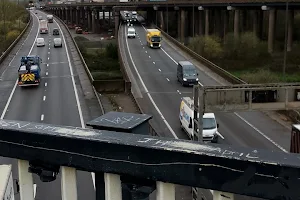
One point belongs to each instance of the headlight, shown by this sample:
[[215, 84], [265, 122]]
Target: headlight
[[151, 45], [197, 79], [184, 79]]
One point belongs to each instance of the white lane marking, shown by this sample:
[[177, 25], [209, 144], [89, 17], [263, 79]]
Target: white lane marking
[[168, 79], [75, 91], [218, 133], [244, 120], [143, 47], [154, 63], [145, 51], [49, 51], [48, 58], [47, 65], [46, 73], [149, 57], [261, 133], [42, 117], [34, 190], [178, 91], [44, 98], [159, 70], [147, 91], [49, 47], [16, 83], [46, 84]]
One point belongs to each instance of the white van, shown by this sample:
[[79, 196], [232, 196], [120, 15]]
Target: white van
[[131, 32], [40, 42], [186, 117]]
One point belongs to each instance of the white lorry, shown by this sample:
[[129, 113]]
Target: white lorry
[[6, 183], [186, 117]]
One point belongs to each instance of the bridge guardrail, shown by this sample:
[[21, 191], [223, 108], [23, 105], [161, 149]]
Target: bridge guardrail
[[10, 48], [293, 114]]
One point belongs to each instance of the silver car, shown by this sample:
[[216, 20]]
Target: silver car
[[57, 42]]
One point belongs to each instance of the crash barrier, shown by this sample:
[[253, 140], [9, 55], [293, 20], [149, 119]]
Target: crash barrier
[[10, 48], [293, 114]]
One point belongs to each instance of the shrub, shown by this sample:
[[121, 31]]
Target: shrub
[[207, 46], [111, 51], [12, 35]]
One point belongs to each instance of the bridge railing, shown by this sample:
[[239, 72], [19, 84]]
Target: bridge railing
[[120, 160]]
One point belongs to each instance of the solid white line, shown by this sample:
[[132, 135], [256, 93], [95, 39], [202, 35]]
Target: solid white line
[[42, 117], [147, 91], [46, 84], [75, 91], [261, 133], [34, 190], [44, 98], [168, 79], [16, 83]]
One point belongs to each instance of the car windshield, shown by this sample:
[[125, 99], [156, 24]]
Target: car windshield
[[209, 123], [39, 40], [189, 72], [155, 39]]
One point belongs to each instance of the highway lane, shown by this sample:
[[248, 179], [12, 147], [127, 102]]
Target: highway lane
[[235, 130], [52, 102]]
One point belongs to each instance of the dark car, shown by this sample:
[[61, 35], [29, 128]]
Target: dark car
[[55, 31], [187, 73]]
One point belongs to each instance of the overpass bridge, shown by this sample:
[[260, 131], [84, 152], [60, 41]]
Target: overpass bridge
[[118, 160], [204, 17]]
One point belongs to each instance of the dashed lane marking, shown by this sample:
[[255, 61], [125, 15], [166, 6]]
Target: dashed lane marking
[[44, 98], [168, 79], [46, 84], [42, 117]]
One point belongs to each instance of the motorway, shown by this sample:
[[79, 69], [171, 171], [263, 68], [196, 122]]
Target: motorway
[[160, 95], [54, 101]]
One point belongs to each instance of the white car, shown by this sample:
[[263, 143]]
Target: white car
[[57, 42], [40, 42], [131, 32]]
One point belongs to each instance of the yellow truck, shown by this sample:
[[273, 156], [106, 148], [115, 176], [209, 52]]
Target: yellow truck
[[154, 38]]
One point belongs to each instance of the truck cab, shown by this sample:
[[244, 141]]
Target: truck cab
[[186, 117], [153, 38]]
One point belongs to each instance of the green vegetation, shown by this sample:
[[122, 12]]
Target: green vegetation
[[101, 57], [247, 58], [13, 19]]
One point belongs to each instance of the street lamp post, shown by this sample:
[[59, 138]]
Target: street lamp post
[[285, 38]]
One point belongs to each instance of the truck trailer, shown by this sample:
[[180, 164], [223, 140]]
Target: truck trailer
[[153, 37], [50, 18], [6, 183], [43, 26]]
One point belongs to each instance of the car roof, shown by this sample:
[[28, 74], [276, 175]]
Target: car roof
[[57, 39], [185, 63], [40, 38], [209, 115], [55, 28], [131, 28]]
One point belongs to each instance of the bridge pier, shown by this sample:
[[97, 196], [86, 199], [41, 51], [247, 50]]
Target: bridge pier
[[25, 181]]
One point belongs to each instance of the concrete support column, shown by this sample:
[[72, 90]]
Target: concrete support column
[[182, 25], [218, 20], [236, 28], [290, 30], [66, 14], [71, 16], [68, 183], [76, 16], [217, 195], [271, 30], [109, 19], [162, 22], [255, 21], [117, 18], [165, 191], [25, 181], [93, 22], [200, 23], [178, 24], [113, 190], [206, 22], [89, 20], [226, 23]]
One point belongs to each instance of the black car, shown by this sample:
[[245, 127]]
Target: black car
[[55, 31]]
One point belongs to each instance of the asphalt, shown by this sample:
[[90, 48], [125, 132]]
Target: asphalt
[[52, 102], [158, 72]]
